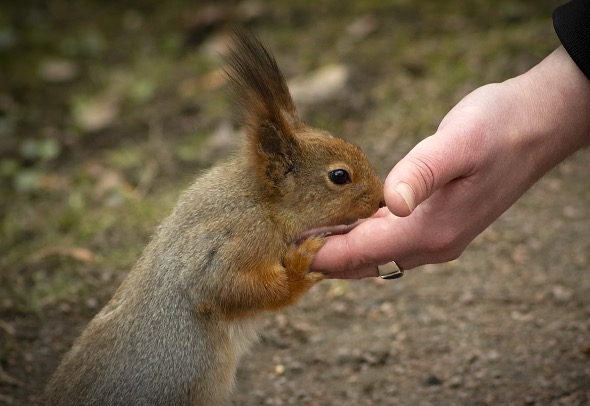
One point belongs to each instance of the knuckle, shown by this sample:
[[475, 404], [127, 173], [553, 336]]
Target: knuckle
[[358, 257], [426, 169]]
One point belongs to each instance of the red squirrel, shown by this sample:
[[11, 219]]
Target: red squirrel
[[231, 249]]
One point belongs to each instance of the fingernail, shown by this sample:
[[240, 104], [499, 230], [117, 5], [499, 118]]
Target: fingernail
[[407, 193]]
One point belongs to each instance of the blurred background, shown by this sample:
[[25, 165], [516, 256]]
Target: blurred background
[[109, 109]]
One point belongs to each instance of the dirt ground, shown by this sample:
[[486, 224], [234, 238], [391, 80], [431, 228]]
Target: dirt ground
[[108, 110]]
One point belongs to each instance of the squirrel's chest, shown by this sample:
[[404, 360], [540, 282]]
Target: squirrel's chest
[[242, 335]]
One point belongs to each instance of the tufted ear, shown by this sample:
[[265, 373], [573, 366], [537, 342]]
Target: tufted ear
[[275, 150], [266, 108]]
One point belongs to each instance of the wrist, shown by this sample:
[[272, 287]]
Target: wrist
[[551, 119]]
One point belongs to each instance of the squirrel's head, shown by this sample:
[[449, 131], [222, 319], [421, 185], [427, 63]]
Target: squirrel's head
[[314, 179]]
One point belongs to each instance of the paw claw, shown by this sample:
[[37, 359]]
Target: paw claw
[[316, 276], [312, 245], [299, 257]]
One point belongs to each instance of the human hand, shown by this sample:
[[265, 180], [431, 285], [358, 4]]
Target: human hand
[[487, 151]]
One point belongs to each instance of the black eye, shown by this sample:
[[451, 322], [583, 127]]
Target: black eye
[[339, 176]]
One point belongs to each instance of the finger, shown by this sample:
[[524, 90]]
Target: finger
[[432, 163], [339, 258], [357, 254], [368, 271], [333, 262]]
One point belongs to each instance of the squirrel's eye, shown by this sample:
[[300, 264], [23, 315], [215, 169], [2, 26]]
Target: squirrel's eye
[[339, 176]]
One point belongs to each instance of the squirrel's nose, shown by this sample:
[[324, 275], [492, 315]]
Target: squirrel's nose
[[382, 203]]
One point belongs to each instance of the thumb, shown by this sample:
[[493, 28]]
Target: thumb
[[431, 164]]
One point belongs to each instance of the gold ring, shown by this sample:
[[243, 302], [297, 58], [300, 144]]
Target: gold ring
[[395, 274]]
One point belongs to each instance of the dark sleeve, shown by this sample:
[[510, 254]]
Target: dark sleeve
[[572, 25]]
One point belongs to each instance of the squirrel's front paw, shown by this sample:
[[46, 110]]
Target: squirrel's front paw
[[299, 257]]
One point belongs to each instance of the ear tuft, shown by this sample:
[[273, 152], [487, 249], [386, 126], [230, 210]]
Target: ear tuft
[[265, 105], [259, 86]]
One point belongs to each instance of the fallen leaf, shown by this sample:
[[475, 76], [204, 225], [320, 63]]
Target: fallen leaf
[[321, 85], [79, 253]]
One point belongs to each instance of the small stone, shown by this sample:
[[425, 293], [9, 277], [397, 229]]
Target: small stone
[[279, 369], [456, 381], [561, 294], [467, 298], [529, 400], [92, 303], [433, 380]]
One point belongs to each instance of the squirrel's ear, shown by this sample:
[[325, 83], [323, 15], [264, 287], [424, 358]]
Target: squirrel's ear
[[265, 106], [275, 150]]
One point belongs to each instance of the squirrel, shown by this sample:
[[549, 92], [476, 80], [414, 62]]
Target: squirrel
[[234, 247]]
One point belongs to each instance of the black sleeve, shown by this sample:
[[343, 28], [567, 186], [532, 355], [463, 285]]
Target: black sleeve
[[572, 25]]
